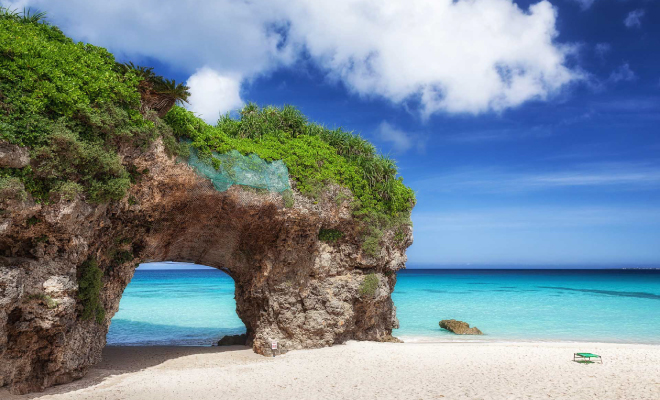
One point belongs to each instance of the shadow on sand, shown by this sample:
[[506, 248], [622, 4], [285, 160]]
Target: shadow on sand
[[119, 360]]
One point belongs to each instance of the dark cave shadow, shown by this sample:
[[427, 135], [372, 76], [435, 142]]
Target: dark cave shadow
[[119, 360]]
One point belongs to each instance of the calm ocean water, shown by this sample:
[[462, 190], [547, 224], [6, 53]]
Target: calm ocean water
[[197, 307]]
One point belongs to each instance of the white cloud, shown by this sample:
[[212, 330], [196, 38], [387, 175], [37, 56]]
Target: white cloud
[[472, 57], [634, 19], [447, 56], [212, 94], [623, 74]]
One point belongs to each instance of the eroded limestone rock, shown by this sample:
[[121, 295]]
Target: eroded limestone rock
[[459, 327], [290, 287], [13, 156]]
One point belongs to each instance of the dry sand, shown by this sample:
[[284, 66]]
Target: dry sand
[[365, 370]]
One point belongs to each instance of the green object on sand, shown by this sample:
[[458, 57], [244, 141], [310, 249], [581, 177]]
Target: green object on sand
[[585, 358]]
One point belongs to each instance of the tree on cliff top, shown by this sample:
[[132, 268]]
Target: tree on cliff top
[[157, 93]]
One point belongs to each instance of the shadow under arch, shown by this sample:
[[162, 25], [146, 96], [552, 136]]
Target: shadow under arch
[[120, 360]]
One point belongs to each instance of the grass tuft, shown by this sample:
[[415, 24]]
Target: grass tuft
[[369, 285]]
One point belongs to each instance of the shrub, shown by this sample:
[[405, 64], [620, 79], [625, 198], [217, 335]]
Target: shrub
[[330, 235], [369, 285], [122, 256], [90, 284], [371, 243], [287, 196], [67, 190], [12, 188]]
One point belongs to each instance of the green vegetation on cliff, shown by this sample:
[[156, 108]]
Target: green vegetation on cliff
[[74, 107], [68, 104], [313, 154], [90, 284], [369, 285]]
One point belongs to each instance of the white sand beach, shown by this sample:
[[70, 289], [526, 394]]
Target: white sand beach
[[368, 370]]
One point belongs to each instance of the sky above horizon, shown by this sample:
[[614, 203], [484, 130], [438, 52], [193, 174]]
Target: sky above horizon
[[528, 130]]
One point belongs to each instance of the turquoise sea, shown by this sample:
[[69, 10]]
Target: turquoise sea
[[197, 307]]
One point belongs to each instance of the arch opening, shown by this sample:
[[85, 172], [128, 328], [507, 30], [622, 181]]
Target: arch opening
[[176, 304]]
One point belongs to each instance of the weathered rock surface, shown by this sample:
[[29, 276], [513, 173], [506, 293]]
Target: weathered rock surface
[[459, 327], [290, 287], [233, 340], [13, 156]]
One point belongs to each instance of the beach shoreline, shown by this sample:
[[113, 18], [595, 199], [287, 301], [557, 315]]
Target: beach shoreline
[[420, 370]]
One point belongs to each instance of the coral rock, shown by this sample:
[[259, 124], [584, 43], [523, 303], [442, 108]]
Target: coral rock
[[290, 287], [13, 156], [459, 327]]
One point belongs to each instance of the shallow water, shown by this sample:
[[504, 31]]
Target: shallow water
[[192, 307]]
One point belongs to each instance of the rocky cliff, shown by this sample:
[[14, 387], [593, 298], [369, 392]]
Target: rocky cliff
[[291, 286], [99, 171]]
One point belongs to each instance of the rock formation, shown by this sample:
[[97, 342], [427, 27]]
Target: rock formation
[[56, 305], [459, 327], [13, 156]]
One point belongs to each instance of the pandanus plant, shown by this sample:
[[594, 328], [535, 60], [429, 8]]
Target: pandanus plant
[[27, 16], [158, 94]]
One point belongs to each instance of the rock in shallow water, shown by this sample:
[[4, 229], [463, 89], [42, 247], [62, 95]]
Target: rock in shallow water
[[459, 327]]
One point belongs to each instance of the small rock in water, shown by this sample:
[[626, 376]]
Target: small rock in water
[[233, 340], [459, 327]]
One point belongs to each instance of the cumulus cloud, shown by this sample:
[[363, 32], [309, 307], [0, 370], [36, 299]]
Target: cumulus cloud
[[212, 94], [634, 19], [442, 55]]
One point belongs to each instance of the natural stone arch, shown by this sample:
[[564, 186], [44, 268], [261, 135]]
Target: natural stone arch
[[290, 286]]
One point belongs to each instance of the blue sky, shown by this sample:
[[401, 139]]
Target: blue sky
[[529, 130]]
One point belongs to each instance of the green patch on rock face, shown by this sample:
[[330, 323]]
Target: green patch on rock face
[[288, 198], [330, 235], [12, 188], [45, 299], [369, 285], [90, 284]]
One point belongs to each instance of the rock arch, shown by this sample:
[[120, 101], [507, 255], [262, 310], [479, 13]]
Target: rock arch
[[290, 286]]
